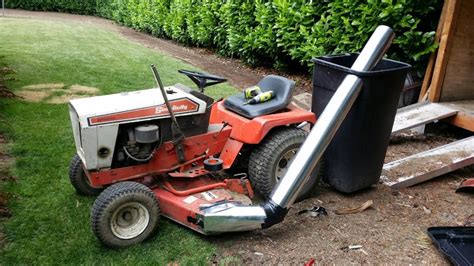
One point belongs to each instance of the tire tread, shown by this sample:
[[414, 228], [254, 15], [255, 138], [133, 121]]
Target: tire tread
[[266, 153], [77, 179], [111, 194]]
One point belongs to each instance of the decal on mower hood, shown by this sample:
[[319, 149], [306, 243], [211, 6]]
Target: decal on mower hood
[[179, 106]]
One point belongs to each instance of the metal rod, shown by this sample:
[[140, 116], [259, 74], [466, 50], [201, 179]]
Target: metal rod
[[163, 92], [285, 193], [176, 132]]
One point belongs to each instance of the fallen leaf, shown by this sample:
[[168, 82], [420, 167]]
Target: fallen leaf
[[357, 209]]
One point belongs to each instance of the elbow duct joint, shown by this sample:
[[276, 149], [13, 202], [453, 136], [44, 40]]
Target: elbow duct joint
[[275, 213]]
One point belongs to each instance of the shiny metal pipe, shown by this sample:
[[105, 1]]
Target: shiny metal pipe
[[374, 49], [231, 217], [285, 193]]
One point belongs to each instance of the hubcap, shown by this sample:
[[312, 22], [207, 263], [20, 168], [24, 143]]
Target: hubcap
[[284, 163], [129, 220]]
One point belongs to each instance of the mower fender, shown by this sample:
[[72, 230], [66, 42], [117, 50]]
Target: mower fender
[[230, 152], [252, 131]]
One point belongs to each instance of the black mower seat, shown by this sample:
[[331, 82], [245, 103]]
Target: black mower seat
[[283, 89]]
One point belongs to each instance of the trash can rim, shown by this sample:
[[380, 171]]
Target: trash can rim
[[321, 61]]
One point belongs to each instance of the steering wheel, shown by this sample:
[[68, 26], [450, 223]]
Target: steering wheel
[[202, 80]]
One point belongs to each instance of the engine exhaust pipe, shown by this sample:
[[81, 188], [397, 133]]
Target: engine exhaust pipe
[[229, 217]]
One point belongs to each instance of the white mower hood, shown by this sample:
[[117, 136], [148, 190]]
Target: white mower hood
[[95, 121], [134, 106]]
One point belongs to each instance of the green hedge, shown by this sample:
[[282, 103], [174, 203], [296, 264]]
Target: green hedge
[[86, 7], [279, 33]]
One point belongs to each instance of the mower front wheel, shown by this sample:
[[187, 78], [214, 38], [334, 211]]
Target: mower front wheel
[[125, 214], [271, 158], [79, 179]]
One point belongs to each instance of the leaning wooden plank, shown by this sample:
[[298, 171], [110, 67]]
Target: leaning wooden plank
[[432, 61], [420, 114], [424, 166], [443, 50]]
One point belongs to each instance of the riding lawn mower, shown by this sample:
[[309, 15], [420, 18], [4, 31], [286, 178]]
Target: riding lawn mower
[[175, 152]]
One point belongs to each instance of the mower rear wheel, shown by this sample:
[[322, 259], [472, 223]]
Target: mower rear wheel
[[125, 214], [270, 160], [79, 179]]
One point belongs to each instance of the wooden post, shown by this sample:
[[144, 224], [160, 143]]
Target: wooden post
[[431, 63], [443, 50]]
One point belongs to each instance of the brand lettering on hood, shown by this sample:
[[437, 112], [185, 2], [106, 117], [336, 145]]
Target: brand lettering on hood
[[176, 108], [180, 106]]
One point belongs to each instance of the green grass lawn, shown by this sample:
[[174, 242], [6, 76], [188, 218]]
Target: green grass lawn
[[50, 223]]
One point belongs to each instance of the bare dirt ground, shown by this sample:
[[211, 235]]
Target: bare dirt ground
[[392, 230], [55, 93]]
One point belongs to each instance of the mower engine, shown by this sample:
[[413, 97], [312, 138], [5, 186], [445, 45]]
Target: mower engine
[[142, 140]]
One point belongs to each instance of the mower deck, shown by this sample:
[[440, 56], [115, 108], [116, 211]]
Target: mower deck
[[183, 200]]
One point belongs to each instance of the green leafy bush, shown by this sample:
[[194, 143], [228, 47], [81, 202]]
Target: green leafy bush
[[87, 7], [282, 33], [202, 22]]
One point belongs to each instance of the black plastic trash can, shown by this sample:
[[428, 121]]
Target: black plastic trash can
[[355, 157]]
